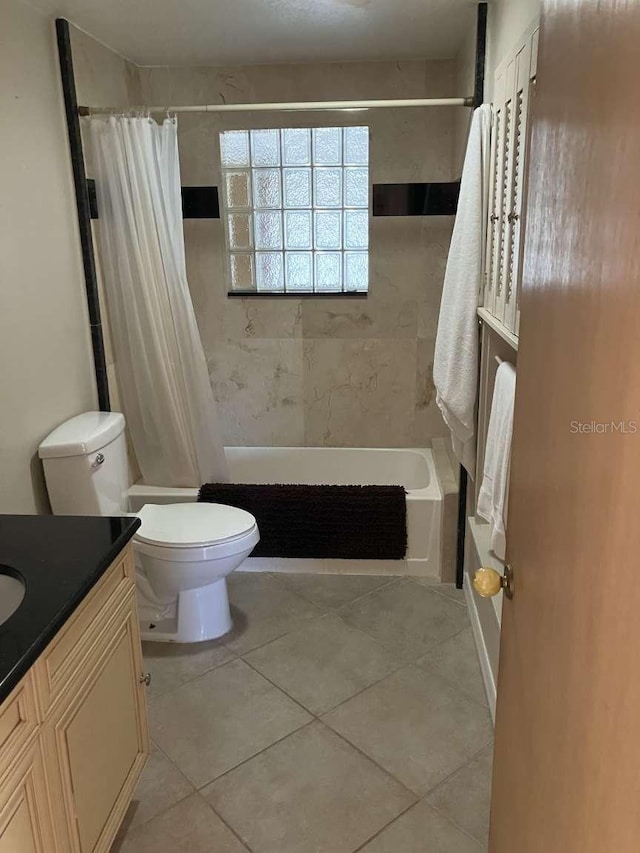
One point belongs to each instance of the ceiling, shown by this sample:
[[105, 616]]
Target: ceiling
[[221, 32]]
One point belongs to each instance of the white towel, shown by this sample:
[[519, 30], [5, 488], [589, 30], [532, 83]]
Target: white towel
[[493, 491], [455, 366]]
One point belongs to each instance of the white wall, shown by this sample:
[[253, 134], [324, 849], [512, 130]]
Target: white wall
[[507, 20], [46, 366]]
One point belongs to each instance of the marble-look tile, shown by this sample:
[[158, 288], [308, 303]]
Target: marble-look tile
[[457, 661], [190, 827], [204, 252], [258, 387], [323, 663], [220, 317], [312, 81], [414, 724], [406, 618], [310, 793], [217, 721], [262, 318], [390, 310], [332, 591], [412, 145], [436, 238], [466, 796], [173, 664], [359, 392], [421, 830], [161, 785], [263, 610], [428, 422]]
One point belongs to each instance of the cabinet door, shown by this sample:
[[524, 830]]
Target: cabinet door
[[98, 739], [25, 817]]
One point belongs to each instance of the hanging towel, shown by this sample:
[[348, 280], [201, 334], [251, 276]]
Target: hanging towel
[[455, 366], [497, 455]]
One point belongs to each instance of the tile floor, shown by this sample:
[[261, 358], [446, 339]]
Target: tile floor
[[342, 714]]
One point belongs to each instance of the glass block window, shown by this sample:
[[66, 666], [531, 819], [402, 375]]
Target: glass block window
[[296, 209]]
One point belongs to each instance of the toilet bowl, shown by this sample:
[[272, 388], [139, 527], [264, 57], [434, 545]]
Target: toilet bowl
[[184, 553]]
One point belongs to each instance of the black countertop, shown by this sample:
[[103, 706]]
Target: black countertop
[[59, 558]]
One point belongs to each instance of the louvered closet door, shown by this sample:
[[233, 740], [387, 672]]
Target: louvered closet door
[[502, 305], [513, 254], [492, 286]]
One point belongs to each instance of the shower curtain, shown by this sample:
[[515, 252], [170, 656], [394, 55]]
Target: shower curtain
[[161, 367]]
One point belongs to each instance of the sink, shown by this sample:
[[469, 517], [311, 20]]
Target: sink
[[12, 591]]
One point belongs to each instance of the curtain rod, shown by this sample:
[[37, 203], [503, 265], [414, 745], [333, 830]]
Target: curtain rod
[[287, 107]]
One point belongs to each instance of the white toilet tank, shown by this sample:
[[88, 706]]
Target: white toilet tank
[[85, 465]]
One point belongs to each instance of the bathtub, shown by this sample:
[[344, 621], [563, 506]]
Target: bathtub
[[413, 469]]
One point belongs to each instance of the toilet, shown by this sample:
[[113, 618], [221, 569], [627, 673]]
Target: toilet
[[183, 551]]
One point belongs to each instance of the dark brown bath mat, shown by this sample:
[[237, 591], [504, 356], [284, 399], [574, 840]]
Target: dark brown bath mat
[[321, 522]]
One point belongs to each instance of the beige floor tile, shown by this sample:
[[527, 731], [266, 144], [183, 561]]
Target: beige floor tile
[[466, 796], [189, 827], [262, 610], [332, 591], [162, 785], [406, 618], [213, 723], [416, 725], [310, 793], [421, 830], [173, 664], [457, 661], [323, 663]]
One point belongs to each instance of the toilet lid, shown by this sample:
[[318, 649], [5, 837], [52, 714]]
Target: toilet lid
[[192, 524]]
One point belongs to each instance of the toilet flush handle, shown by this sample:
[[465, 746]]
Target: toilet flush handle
[[97, 462]]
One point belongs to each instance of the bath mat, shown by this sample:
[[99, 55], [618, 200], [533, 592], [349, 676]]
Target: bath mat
[[321, 522]]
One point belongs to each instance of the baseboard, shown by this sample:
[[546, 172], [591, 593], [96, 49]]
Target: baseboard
[[395, 568], [481, 647]]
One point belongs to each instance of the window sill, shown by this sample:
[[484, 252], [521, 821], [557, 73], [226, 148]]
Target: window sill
[[264, 294]]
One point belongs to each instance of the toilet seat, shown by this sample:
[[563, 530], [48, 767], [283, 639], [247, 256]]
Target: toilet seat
[[189, 532]]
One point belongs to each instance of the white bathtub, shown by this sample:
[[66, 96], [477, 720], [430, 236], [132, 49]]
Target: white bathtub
[[413, 469]]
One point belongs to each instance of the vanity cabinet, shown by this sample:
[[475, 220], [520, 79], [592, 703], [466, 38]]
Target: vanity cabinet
[[76, 728]]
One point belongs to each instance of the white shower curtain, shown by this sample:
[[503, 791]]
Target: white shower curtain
[[162, 371]]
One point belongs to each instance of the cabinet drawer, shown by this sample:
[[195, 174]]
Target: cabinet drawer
[[18, 721], [70, 648]]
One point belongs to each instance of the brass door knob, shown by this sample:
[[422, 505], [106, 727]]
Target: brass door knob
[[489, 582]]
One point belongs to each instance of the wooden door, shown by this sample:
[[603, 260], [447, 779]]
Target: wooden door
[[567, 760], [98, 739]]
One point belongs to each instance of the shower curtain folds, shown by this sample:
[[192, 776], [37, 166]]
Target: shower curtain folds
[[161, 367]]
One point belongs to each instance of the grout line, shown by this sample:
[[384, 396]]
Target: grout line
[[386, 826], [251, 757], [235, 834], [132, 829], [370, 760], [458, 769], [456, 824], [423, 799], [414, 794], [433, 587], [150, 699], [280, 689], [294, 627], [390, 579]]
